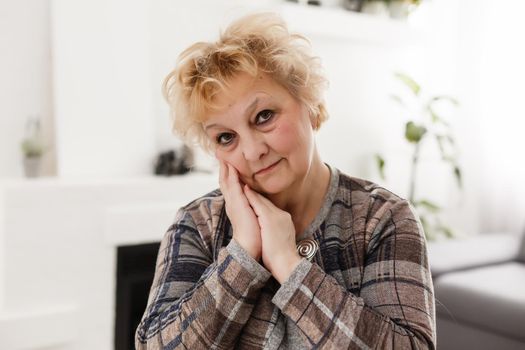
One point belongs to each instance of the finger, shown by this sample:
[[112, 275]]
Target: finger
[[263, 200], [233, 179], [233, 173], [223, 181], [268, 203], [222, 176], [254, 198], [221, 172], [236, 176]]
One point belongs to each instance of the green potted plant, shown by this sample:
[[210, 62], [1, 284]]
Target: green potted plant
[[427, 125], [32, 148], [375, 7], [400, 9]]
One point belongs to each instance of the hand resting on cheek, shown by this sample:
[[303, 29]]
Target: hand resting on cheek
[[260, 227], [244, 222]]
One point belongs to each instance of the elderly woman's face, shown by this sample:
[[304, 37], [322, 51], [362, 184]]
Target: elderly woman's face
[[264, 132]]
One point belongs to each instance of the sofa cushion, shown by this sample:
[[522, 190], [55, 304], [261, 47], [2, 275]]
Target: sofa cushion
[[521, 254], [464, 253], [490, 298]]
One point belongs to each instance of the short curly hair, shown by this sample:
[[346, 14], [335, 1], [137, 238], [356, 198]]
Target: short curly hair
[[253, 44]]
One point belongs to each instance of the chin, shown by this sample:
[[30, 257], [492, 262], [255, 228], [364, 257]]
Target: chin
[[272, 186]]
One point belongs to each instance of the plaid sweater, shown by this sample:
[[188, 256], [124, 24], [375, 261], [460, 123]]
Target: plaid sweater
[[368, 286]]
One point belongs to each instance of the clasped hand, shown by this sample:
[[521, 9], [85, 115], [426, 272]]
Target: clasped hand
[[265, 231]]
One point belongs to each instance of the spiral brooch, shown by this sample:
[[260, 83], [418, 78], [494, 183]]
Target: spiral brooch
[[307, 248]]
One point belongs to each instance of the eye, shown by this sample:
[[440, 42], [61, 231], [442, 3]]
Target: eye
[[263, 116], [224, 139]]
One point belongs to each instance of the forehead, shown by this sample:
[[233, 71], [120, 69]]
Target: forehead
[[241, 92], [244, 86]]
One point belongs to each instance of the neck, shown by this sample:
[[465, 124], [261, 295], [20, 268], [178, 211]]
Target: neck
[[304, 198]]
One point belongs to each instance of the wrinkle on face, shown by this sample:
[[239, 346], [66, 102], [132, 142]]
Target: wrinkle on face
[[289, 138]]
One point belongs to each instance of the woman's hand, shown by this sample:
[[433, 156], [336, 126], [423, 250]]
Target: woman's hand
[[246, 229], [279, 253]]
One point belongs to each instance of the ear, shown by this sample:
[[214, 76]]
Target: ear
[[320, 116], [314, 120]]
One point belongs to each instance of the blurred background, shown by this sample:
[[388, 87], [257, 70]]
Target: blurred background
[[425, 98]]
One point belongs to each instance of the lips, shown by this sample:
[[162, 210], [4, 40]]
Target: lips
[[264, 170]]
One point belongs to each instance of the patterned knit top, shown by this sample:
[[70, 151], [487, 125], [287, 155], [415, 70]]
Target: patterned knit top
[[368, 286]]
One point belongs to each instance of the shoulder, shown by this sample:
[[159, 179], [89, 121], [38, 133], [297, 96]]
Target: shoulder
[[371, 199], [201, 210], [361, 189], [202, 215], [377, 211]]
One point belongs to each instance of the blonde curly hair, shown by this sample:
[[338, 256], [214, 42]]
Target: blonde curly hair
[[252, 44]]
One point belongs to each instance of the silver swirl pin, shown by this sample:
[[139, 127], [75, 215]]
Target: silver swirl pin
[[307, 248]]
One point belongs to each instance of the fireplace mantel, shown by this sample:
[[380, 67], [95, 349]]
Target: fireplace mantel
[[59, 240]]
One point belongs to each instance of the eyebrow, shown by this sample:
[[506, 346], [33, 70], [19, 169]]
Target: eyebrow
[[248, 111]]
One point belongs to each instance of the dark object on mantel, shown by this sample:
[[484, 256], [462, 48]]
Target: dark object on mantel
[[353, 5], [174, 162]]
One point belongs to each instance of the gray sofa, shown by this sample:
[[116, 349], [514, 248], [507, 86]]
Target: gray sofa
[[479, 285]]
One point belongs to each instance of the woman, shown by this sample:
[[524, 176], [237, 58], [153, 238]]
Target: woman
[[290, 253]]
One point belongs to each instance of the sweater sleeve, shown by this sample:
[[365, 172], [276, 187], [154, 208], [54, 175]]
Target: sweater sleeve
[[194, 302], [395, 307]]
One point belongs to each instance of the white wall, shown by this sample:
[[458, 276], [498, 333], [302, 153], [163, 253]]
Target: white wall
[[102, 93], [502, 117], [3, 262], [451, 70], [26, 84]]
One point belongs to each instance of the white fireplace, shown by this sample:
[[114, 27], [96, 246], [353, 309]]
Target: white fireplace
[[59, 252]]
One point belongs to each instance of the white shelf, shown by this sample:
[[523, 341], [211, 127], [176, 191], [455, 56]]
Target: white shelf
[[340, 24], [50, 326], [140, 222]]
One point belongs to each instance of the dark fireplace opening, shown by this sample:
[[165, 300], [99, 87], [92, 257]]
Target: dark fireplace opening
[[135, 270]]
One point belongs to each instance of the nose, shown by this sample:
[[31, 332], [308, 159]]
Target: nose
[[254, 147]]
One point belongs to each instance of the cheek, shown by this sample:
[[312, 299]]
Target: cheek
[[235, 160], [289, 137], [228, 157]]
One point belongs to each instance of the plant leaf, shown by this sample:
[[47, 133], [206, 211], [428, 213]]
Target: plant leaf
[[458, 174], [449, 159], [413, 132], [447, 231], [428, 231], [409, 82], [436, 118], [450, 99], [432, 207], [398, 100], [380, 161], [439, 139]]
